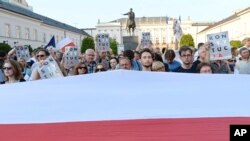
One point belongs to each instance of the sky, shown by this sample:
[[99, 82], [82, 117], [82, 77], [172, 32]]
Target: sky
[[85, 13]]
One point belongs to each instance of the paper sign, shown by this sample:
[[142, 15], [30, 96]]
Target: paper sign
[[146, 39], [49, 69], [220, 47], [71, 57], [102, 42], [23, 52]]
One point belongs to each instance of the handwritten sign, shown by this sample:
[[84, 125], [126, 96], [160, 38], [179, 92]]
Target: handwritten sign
[[71, 57], [23, 52], [49, 69], [102, 42], [220, 47]]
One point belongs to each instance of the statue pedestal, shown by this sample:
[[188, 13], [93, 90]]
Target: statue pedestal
[[130, 42]]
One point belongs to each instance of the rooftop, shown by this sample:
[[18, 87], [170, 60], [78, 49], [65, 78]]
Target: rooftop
[[44, 19]]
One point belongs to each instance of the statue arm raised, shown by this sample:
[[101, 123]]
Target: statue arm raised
[[126, 13]]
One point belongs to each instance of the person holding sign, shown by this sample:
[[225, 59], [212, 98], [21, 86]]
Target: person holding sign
[[46, 67], [12, 72]]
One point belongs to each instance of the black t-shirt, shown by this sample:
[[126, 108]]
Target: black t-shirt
[[181, 69], [196, 63]]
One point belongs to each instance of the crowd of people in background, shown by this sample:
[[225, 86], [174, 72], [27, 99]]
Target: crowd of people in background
[[179, 60]]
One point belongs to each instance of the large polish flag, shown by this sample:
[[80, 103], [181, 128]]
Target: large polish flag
[[66, 42], [125, 106]]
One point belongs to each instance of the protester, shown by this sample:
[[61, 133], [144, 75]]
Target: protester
[[26, 71], [113, 62], [102, 59], [234, 58], [242, 66], [90, 60], [158, 66], [186, 56], [220, 66], [203, 53], [99, 68], [12, 72], [2, 58], [157, 57], [124, 63], [204, 67], [146, 59], [170, 60], [80, 69], [136, 55], [135, 65]]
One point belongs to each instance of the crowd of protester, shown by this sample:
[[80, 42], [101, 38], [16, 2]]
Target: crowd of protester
[[180, 60]]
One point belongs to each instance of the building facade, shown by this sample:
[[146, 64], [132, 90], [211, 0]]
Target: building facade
[[161, 32], [19, 24], [237, 25]]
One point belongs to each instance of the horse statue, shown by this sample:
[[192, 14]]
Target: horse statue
[[130, 22]]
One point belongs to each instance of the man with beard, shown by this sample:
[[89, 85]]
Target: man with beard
[[146, 59], [186, 56]]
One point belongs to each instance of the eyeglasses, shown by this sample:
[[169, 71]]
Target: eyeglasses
[[7, 68], [82, 68], [100, 69], [231, 60], [40, 56]]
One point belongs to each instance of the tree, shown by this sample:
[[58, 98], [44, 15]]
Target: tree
[[235, 43], [30, 48], [113, 45], [187, 40], [87, 43], [5, 47]]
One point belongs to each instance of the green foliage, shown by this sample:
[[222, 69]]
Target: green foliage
[[113, 45], [87, 43], [235, 43], [5, 47], [187, 40], [30, 48]]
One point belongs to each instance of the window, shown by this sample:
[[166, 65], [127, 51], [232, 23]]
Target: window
[[35, 35], [7, 30], [44, 38], [18, 32], [57, 38], [27, 33]]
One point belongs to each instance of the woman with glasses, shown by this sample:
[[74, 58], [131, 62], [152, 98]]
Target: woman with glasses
[[12, 72], [99, 68], [80, 69]]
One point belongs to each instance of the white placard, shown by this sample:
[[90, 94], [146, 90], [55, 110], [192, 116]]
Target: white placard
[[102, 42], [220, 47], [71, 57], [49, 69], [23, 52], [146, 39], [177, 30]]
